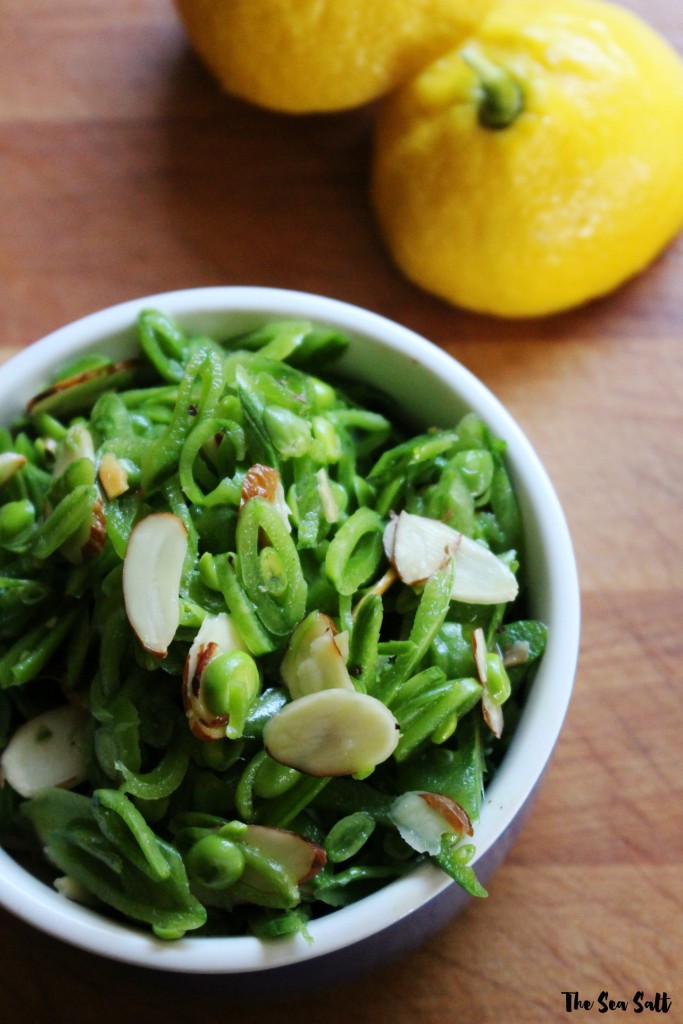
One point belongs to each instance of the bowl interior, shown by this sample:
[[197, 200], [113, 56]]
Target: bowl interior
[[431, 389]]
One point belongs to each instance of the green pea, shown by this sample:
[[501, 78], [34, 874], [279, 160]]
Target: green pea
[[476, 469], [233, 830], [131, 470], [445, 729], [464, 852], [326, 434], [323, 396], [497, 679], [215, 862], [273, 779], [290, 434], [16, 521], [219, 755], [207, 571], [273, 572], [348, 835], [80, 472], [225, 673]]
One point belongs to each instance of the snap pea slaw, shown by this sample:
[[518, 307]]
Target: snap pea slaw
[[158, 831]]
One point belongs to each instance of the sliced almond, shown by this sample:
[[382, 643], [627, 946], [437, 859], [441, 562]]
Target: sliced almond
[[493, 714], [10, 463], [152, 570], [316, 657], [480, 651], [453, 813], [422, 546], [423, 818], [113, 476], [264, 482], [301, 858], [331, 733], [341, 642], [481, 577], [327, 499], [48, 750], [389, 536], [418, 547], [72, 890], [516, 653]]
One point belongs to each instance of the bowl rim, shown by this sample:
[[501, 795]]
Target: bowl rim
[[525, 760]]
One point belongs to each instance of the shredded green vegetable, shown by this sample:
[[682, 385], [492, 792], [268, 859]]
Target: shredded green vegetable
[[297, 516]]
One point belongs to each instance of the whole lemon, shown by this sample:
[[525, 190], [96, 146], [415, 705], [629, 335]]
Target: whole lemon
[[540, 165], [302, 56]]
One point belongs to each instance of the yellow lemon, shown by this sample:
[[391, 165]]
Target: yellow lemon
[[540, 165], [302, 56]]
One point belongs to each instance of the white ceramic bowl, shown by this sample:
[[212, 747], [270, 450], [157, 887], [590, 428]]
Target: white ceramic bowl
[[431, 388]]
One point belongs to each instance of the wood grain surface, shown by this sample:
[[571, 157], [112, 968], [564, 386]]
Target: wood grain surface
[[123, 172]]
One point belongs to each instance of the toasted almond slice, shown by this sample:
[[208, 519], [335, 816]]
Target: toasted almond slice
[[10, 463], [419, 546], [315, 658], [301, 858], [327, 499], [113, 476], [479, 650], [516, 653], [422, 546], [482, 577], [152, 570], [451, 811], [72, 890], [48, 750], [332, 732], [389, 536], [423, 818], [341, 642], [493, 714]]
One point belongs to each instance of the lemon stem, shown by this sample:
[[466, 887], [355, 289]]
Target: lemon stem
[[501, 99]]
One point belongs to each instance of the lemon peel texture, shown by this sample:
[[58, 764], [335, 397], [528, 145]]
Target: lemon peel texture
[[304, 56], [578, 192]]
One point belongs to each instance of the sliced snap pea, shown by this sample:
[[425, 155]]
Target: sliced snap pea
[[355, 552]]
